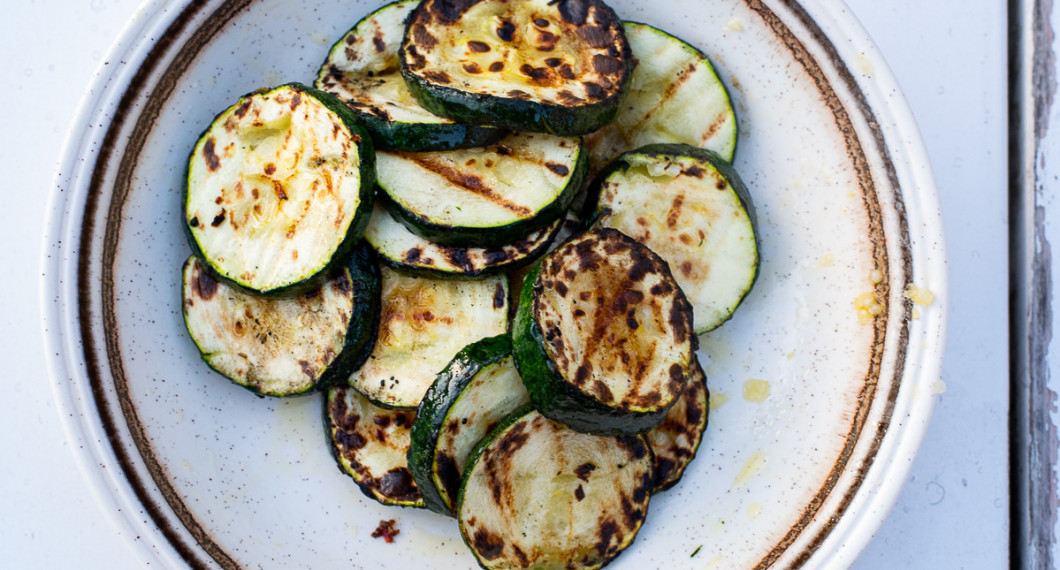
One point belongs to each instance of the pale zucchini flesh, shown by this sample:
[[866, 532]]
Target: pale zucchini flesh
[[483, 197], [370, 444], [675, 96], [424, 323], [538, 494], [278, 188], [691, 208], [362, 69], [538, 65], [276, 347], [400, 248]]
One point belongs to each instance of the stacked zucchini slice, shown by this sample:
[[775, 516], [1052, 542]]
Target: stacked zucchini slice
[[490, 234]]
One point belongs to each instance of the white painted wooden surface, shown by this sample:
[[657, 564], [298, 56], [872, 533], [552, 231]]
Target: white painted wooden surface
[[949, 56]]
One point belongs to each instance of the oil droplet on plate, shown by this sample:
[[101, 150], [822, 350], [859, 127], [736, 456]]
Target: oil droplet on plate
[[755, 390], [868, 307], [717, 398], [919, 295], [938, 387], [750, 469], [754, 510]]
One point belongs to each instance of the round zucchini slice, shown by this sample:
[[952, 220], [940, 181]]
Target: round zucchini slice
[[279, 189], [689, 206], [424, 323], [401, 249], [540, 495], [287, 346], [478, 389], [675, 441], [362, 69], [675, 96], [370, 444], [603, 335], [484, 197], [559, 67]]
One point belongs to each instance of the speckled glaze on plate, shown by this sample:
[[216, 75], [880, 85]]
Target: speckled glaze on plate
[[817, 412]]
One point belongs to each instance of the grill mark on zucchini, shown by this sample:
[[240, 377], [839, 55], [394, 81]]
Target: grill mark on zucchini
[[351, 432], [688, 205], [399, 247], [363, 69], [674, 442], [540, 508], [288, 346], [468, 182], [543, 49], [596, 351], [209, 152]]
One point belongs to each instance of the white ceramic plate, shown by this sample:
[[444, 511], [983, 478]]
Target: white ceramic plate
[[206, 475]]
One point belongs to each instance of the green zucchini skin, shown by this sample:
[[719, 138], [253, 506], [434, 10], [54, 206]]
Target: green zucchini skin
[[360, 278], [426, 137], [514, 114], [557, 397], [353, 232], [675, 97], [497, 483], [489, 235], [403, 250], [435, 470], [518, 109], [352, 71], [707, 317], [364, 324]]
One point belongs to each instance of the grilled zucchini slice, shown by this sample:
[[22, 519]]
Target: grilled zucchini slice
[[675, 441], [477, 390], [279, 190], [288, 346], [370, 444], [603, 335], [362, 69], [398, 247], [559, 67], [538, 494], [689, 206], [484, 197], [424, 323], [675, 96]]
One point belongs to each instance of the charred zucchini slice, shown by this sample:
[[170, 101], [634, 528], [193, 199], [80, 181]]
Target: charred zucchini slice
[[603, 335], [540, 495], [484, 197], [370, 445], [402, 249], [689, 206], [477, 390], [675, 96], [424, 323], [279, 189], [559, 67], [282, 347], [362, 69], [675, 441]]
